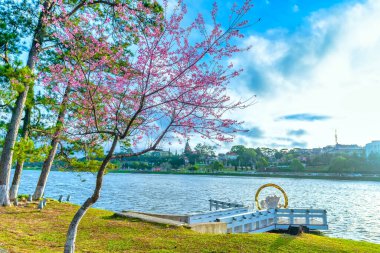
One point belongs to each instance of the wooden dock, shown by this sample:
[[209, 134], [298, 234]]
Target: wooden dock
[[240, 219], [275, 219], [236, 218]]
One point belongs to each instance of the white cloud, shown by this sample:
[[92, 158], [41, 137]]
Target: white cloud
[[329, 67]]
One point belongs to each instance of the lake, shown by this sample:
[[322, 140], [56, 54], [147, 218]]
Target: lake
[[353, 207]]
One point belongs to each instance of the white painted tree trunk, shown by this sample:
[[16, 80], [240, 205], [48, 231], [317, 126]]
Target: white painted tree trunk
[[8, 146], [38, 192], [4, 196], [14, 125], [13, 192], [73, 229], [17, 177]]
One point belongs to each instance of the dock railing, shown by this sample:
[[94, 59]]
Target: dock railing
[[212, 216], [311, 218], [217, 204], [273, 219], [258, 221]]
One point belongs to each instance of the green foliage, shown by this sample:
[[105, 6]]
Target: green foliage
[[22, 197], [18, 20], [147, 161], [296, 165], [85, 165], [262, 162], [176, 161], [238, 149], [201, 154], [289, 160], [17, 24], [322, 159], [154, 6], [82, 156], [18, 77], [166, 166], [25, 150], [194, 167], [192, 157], [13, 80], [341, 164], [139, 165], [22, 148], [248, 157], [204, 149], [278, 155], [216, 166]]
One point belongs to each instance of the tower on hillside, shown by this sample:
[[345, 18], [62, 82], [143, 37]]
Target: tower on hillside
[[336, 137], [187, 148]]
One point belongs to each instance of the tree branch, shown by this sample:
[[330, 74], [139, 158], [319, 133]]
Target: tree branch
[[84, 2], [152, 147]]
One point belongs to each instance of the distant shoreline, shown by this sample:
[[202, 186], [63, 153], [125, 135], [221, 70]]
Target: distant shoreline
[[332, 177], [258, 175]]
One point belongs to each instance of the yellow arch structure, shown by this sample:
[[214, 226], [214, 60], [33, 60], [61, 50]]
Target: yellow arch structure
[[270, 185]]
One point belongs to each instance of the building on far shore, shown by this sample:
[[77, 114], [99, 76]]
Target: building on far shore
[[159, 153], [372, 148], [344, 149]]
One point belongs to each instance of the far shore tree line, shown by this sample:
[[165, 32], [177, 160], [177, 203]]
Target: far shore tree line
[[80, 78], [241, 158], [331, 162]]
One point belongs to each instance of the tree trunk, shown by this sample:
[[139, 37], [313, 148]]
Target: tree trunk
[[20, 162], [10, 138], [73, 228], [7, 153], [40, 188], [13, 192]]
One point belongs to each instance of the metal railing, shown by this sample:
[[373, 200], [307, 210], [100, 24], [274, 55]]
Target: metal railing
[[262, 221], [212, 216], [223, 205]]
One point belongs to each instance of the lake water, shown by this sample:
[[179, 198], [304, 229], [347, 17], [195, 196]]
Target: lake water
[[353, 207]]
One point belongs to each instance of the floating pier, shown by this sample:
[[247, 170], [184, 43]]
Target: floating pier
[[239, 221], [236, 218]]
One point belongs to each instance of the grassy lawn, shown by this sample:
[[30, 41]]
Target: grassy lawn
[[25, 229]]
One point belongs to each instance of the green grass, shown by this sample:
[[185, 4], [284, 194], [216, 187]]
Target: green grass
[[25, 229]]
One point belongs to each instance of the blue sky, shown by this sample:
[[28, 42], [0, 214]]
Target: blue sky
[[314, 67]]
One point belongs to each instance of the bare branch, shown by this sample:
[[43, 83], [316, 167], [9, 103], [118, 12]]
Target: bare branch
[[5, 58], [152, 147]]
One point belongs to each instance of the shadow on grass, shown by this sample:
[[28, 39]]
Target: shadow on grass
[[312, 232], [317, 232], [116, 217], [113, 217], [22, 212]]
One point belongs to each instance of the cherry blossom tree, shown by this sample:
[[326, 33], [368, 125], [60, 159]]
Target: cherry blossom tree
[[165, 86], [38, 20]]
